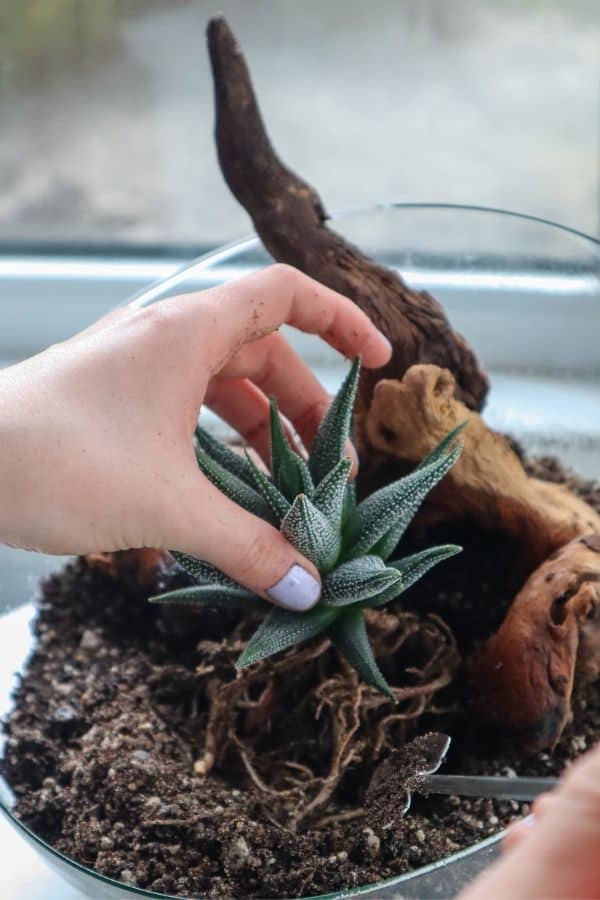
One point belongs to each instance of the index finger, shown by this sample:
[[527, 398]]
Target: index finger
[[251, 307]]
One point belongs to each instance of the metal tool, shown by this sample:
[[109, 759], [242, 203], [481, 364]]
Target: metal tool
[[498, 787]]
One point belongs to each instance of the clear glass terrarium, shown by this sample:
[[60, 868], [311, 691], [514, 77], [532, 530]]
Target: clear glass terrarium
[[526, 294]]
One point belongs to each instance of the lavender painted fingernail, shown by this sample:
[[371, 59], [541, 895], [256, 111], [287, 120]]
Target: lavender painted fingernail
[[297, 591]]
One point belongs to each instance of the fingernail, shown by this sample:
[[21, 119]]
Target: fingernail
[[297, 591], [387, 342]]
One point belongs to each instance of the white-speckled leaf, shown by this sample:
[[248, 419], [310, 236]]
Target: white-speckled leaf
[[214, 595], [290, 473], [388, 512], [412, 568], [358, 580], [443, 447], [330, 494], [330, 441], [349, 636], [224, 455], [204, 572], [311, 533], [275, 499], [350, 503], [233, 487], [282, 629]]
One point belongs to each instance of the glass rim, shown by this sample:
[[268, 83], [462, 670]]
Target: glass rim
[[223, 252], [344, 892]]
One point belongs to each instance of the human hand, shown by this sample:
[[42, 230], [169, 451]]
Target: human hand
[[96, 432], [553, 855]]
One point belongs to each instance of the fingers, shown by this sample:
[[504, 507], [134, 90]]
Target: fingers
[[520, 830], [208, 525], [245, 407], [278, 371], [517, 832], [258, 304]]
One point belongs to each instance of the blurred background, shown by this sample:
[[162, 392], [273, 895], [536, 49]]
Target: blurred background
[[107, 112]]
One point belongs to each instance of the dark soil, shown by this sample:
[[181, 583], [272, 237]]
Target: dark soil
[[113, 711]]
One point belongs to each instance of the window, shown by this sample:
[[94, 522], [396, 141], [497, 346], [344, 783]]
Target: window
[[107, 111]]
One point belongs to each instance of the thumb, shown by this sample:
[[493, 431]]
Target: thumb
[[558, 856], [244, 547]]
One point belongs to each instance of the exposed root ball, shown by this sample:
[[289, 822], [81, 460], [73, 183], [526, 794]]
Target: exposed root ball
[[257, 718]]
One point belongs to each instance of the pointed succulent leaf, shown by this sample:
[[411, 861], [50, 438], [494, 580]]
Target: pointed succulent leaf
[[215, 595], [224, 455], [330, 441], [396, 503], [330, 494], [311, 533], [282, 629], [272, 496], [203, 572], [413, 567], [233, 487], [350, 502], [358, 580], [290, 473], [443, 447], [388, 543], [349, 636]]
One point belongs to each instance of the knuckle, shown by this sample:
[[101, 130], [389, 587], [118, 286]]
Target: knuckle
[[285, 274], [160, 321]]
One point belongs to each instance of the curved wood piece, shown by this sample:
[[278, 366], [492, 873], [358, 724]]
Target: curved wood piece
[[488, 484], [291, 221], [522, 679]]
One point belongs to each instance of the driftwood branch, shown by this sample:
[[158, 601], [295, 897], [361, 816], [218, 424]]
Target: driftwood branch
[[291, 221], [522, 679]]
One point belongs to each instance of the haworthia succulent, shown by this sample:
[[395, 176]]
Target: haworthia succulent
[[203, 572], [233, 487], [330, 494], [349, 635], [290, 473], [311, 533], [330, 441], [282, 629], [224, 455], [358, 580], [347, 543], [272, 496], [216, 595], [396, 503]]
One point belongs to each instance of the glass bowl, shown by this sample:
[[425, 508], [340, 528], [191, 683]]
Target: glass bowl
[[526, 294]]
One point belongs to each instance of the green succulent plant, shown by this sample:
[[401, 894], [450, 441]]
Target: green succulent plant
[[314, 506]]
